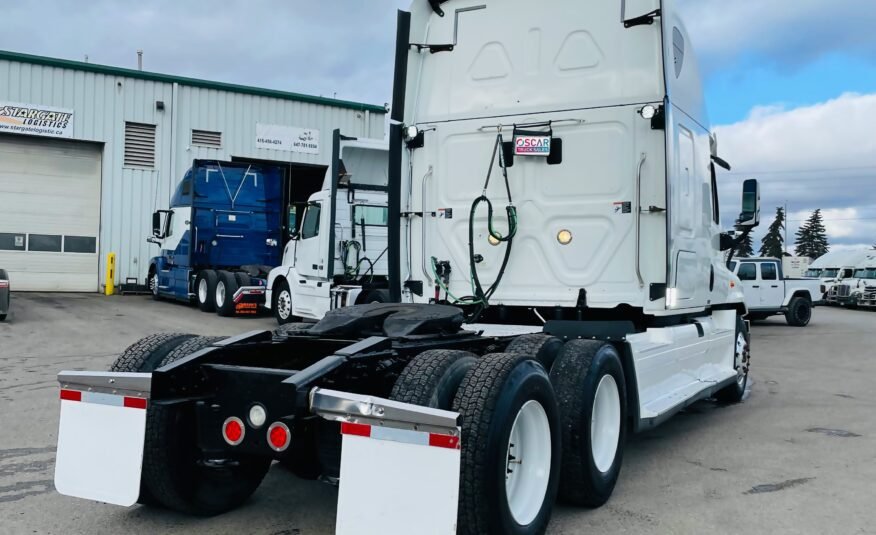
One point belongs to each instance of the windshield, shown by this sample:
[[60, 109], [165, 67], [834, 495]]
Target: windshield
[[869, 273], [830, 273], [813, 273]]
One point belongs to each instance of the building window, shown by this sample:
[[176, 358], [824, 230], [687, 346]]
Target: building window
[[12, 242], [205, 138], [44, 242], [80, 244], [140, 145]]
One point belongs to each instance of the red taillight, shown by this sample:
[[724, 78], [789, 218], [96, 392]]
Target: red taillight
[[279, 436], [233, 430], [4, 284]]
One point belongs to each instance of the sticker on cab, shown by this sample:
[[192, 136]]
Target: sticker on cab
[[529, 145]]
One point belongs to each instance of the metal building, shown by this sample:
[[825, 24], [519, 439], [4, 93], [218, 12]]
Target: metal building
[[88, 152]]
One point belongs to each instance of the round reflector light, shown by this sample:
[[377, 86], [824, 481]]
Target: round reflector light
[[257, 416], [564, 237], [279, 436], [233, 430]]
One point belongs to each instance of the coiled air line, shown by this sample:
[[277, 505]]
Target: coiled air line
[[480, 296]]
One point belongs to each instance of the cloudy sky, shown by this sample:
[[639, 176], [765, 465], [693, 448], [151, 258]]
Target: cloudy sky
[[791, 84]]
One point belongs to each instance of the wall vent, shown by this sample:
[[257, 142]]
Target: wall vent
[[140, 145], [205, 138]]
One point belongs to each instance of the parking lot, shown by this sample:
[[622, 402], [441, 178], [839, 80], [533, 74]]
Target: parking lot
[[798, 456]]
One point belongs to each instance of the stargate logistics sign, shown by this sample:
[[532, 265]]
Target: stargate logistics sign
[[35, 120]]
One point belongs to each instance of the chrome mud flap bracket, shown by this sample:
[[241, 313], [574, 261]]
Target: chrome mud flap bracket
[[399, 464]]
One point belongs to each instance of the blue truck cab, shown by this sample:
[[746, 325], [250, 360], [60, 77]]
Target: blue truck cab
[[221, 236]]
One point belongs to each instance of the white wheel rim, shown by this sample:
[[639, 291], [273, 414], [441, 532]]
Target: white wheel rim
[[220, 294], [605, 423], [284, 304], [528, 465], [202, 291], [740, 356]]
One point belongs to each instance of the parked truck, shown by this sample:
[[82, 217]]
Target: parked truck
[[769, 292], [339, 256], [555, 258], [220, 237]]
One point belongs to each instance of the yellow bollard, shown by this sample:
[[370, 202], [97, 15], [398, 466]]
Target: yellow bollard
[[110, 274]]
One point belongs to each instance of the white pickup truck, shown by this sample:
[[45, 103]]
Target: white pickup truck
[[769, 293]]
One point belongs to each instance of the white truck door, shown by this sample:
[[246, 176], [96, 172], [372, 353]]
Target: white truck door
[[689, 185], [310, 251], [747, 273], [772, 290]]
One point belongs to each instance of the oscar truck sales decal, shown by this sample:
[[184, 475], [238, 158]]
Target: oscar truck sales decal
[[529, 145]]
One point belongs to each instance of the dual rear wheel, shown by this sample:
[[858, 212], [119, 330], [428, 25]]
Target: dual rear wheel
[[527, 434], [214, 290]]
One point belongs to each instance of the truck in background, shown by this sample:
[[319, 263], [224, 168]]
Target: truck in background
[[769, 292], [222, 232], [857, 290], [338, 258], [834, 267]]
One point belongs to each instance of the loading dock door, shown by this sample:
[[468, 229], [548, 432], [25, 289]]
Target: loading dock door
[[50, 213]]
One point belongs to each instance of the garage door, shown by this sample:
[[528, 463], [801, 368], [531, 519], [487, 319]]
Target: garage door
[[50, 213]]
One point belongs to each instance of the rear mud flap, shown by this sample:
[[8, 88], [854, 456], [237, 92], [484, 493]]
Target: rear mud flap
[[399, 465], [101, 435]]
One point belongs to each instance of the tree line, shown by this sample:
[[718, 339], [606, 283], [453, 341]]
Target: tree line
[[811, 238]]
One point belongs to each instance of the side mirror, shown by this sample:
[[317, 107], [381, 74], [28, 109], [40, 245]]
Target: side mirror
[[750, 216], [156, 224]]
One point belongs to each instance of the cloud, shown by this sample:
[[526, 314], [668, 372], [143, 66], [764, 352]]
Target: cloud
[[821, 156], [786, 33], [322, 48]]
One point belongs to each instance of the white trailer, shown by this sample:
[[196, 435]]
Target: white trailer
[[524, 346], [339, 257]]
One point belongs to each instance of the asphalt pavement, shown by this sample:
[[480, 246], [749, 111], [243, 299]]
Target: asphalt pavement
[[797, 456]]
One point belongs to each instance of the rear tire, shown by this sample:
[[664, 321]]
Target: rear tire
[[510, 446], [226, 286], [543, 347], [432, 378], [281, 304], [205, 290], [374, 296], [145, 355], [799, 312], [589, 380], [172, 469], [242, 279]]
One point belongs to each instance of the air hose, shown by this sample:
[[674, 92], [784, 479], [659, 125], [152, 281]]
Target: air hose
[[480, 296]]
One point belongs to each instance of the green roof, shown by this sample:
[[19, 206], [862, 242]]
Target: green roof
[[182, 80]]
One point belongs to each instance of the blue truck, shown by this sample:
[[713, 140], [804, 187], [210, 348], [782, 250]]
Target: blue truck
[[223, 233]]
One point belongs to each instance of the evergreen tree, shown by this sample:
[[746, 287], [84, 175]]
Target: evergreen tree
[[812, 237], [772, 244], [746, 248]]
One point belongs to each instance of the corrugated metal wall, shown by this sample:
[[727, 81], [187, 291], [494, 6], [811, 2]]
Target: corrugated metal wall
[[102, 103]]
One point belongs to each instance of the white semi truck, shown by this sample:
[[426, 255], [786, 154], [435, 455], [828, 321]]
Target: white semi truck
[[339, 257], [525, 342]]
